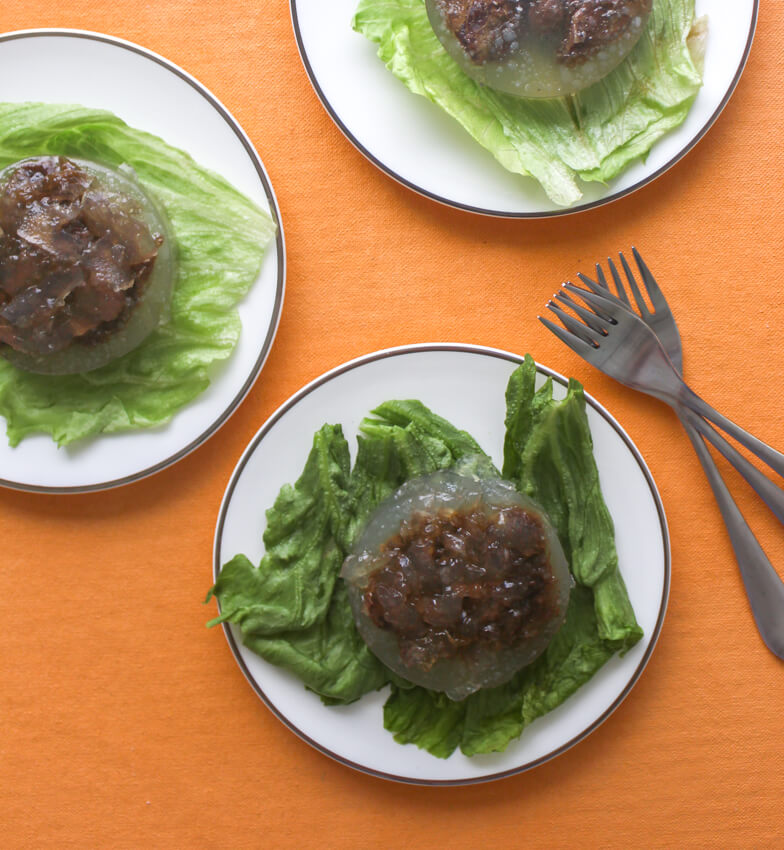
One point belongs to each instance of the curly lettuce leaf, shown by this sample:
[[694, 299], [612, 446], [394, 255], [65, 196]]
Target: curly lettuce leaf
[[555, 466], [329, 656], [292, 586], [220, 238], [289, 609], [548, 453], [497, 716], [430, 720], [591, 136]]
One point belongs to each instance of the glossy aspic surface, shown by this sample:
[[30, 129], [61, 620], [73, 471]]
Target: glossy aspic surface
[[86, 267], [457, 582], [538, 48]]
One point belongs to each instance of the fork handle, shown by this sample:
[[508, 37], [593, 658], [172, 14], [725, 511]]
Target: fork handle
[[763, 585], [774, 459], [770, 493]]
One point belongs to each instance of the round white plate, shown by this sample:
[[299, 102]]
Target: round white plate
[[419, 145], [152, 94], [465, 384]]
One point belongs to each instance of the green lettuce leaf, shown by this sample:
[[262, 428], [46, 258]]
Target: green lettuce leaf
[[497, 716], [592, 135], [220, 238], [431, 721], [289, 608], [292, 587], [329, 656], [548, 453], [556, 468]]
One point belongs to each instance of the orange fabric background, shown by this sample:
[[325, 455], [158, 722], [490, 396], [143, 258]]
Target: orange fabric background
[[126, 723]]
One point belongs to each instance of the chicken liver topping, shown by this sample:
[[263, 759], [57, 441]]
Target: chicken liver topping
[[594, 24], [459, 581], [74, 257], [488, 30]]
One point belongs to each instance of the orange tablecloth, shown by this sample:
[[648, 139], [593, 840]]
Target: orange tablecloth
[[127, 724]]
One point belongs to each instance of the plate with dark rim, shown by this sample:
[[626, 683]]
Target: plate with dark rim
[[187, 116], [466, 384], [413, 141]]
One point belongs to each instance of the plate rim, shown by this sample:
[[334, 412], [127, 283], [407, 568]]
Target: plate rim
[[280, 242], [501, 354], [493, 213]]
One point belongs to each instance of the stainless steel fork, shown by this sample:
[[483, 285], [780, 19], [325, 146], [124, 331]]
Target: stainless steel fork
[[619, 343], [661, 321]]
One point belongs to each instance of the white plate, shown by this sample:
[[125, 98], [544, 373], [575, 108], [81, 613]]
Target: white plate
[[419, 145], [465, 384], [152, 94]]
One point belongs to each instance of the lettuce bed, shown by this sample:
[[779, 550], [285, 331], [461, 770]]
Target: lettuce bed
[[593, 135], [293, 609], [220, 240]]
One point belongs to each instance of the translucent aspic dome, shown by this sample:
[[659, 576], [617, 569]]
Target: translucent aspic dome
[[458, 581], [538, 48], [86, 264]]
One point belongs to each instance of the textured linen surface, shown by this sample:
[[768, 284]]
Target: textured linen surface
[[127, 723]]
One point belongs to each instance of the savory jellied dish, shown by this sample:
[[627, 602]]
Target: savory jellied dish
[[86, 264], [538, 48], [438, 584], [457, 582]]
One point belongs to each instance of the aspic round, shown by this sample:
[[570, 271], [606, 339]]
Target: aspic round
[[87, 264], [458, 581], [538, 48]]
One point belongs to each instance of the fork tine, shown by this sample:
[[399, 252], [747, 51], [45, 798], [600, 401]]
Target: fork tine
[[601, 278], [643, 307], [605, 302], [600, 288], [585, 333], [657, 298], [577, 345], [596, 287], [618, 283], [588, 316]]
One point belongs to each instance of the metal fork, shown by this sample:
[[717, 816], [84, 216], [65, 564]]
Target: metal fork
[[662, 323], [622, 345]]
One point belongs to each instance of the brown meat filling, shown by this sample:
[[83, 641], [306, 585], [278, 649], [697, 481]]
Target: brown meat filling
[[74, 257], [488, 30], [594, 24], [459, 581]]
